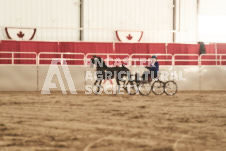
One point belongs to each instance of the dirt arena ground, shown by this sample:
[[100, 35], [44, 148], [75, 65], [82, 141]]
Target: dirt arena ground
[[187, 121]]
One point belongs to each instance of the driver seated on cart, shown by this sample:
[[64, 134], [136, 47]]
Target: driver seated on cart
[[153, 70]]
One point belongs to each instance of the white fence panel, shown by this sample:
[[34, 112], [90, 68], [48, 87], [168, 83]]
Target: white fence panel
[[18, 78], [188, 77], [213, 77], [25, 77]]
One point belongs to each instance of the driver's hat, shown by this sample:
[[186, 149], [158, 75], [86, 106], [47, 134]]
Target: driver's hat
[[154, 56]]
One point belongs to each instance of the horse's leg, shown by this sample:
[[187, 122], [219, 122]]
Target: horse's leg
[[100, 82], [99, 78], [124, 84], [95, 82], [99, 86], [118, 84]]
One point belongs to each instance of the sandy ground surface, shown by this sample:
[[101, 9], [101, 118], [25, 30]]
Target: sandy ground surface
[[187, 121]]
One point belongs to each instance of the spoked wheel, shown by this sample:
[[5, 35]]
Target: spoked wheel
[[158, 87], [97, 89], [145, 88], [131, 88], [170, 88]]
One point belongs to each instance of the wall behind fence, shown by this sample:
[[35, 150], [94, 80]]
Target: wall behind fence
[[99, 19], [154, 15], [187, 22], [47, 15]]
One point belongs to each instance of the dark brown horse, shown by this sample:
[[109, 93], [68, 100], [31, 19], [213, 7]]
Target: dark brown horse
[[104, 72]]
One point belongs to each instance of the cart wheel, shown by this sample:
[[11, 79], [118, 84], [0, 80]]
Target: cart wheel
[[145, 88], [170, 88], [131, 88], [158, 87]]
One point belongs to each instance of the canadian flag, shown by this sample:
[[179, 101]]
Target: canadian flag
[[20, 33], [129, 36]]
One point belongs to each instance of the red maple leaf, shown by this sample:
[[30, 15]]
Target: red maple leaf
[[129, 37], [20, 34]]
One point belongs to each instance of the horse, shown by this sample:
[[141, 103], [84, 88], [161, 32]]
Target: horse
[[104, 72]]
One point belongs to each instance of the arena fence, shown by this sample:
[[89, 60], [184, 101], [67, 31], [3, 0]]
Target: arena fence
[[212, 59], [18, 57], [70, 58], [144, 59], [19, 75], [23, 58], [189, 59]]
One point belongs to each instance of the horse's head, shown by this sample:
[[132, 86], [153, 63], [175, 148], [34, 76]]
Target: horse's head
[[92, 61], [97, 61]]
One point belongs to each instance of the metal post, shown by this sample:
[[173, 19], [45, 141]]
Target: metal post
[[108, 60], [216, 52], [61, 58], [220, 59], [113, 47], [12, 58]]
